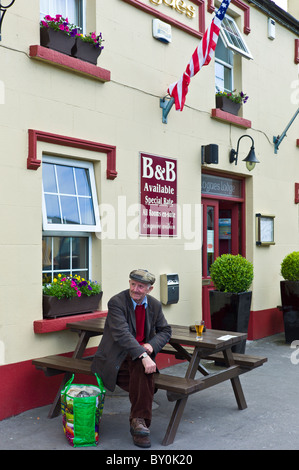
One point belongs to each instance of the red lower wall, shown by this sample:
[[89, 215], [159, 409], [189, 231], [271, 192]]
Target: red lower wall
[[23, 387]]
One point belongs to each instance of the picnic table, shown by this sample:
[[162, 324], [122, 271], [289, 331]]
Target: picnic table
[[215, 345]]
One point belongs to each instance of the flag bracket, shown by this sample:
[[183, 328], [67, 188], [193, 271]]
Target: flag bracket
[[166, 105], [278, 139]]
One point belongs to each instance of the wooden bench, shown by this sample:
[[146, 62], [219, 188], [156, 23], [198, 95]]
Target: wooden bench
[[244, 360], [53, 365]]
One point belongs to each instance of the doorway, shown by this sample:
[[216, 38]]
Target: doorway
[[223, 230]]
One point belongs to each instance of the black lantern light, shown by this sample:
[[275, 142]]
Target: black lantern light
[[2, 13], [250, 160]]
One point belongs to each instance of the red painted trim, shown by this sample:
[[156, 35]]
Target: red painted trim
[[35, 135], [70, 63], [157, 14], [217, 113], [245, 8], [59, 324], [296, 59], [264, 323]]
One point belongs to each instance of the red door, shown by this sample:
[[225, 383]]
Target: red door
[[222, 233]]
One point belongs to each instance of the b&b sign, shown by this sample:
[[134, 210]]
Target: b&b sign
[[158, 195]]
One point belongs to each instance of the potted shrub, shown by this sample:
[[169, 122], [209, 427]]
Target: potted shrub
[[58, 34], [230, 102], [70, 295], [88, 47], [232, 276], [289, 290]]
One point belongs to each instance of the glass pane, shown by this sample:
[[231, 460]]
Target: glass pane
[[52, 209], [62, 250], [82, 180], [80, 253], [86, 210], [49, 179], [65, 179], [69, 209], [210, 237], [47, 253]]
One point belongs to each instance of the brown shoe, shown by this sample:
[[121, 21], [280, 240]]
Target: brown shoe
[[138, 427], [141, 441]]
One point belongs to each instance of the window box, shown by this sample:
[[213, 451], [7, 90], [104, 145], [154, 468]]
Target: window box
[[57, 40], [86, 51], [53, 307], [227, 105]]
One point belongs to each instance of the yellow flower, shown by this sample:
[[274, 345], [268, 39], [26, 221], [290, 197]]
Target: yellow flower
[[59, 275], [54, 280]]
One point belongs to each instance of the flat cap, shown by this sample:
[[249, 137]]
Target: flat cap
[[142, 275]]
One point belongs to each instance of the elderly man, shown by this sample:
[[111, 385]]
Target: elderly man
[[135, 331]]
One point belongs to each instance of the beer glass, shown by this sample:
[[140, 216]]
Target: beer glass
[[199, 325]]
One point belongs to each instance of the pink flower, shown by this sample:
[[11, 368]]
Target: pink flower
[[49, 18], [73, 284], [63, 279], [57, 17], [78, 293], [93, 35], [61, 27], [45, 24], [66, 28]]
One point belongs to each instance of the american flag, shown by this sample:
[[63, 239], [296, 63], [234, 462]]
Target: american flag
[[201, 56]]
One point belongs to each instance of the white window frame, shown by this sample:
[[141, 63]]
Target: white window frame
[[227, 65], [73, 227], [229, 23], [54, 272]]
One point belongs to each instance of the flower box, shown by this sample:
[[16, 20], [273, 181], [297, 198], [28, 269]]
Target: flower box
[[86, 51], [57, 40], [54, 307], [227, 105]]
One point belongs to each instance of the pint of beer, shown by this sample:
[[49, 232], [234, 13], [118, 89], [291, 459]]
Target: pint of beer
[[199, 325]]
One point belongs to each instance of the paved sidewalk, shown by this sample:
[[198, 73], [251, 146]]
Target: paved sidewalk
[[211, 419]]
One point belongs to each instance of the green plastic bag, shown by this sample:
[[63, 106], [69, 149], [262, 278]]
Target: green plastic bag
[[82, 408]]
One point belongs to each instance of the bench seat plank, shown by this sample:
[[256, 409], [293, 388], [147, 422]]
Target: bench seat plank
[[60, 364]]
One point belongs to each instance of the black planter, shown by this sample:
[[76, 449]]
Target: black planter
[[289, 291], [227, 105], [86, 51], [57, 40], [53, 307], [230, 312]]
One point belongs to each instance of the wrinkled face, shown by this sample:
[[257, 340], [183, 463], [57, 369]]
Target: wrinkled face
[[138, 290]]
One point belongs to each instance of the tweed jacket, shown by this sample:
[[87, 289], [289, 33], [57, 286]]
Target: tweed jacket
[[119, 335]]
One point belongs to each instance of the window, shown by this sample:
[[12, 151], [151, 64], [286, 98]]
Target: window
[[224, 63], [71, 9], [69, 196], [232, 37], [70, 214], [67, 255]]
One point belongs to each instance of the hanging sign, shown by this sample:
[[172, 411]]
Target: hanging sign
[[158, 195]]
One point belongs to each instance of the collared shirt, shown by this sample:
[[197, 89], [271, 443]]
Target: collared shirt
[[144, 302]]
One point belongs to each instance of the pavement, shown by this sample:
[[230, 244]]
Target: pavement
[[211, 419]]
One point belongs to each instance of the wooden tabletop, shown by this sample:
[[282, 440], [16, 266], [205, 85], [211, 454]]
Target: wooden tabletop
[[212, 339]]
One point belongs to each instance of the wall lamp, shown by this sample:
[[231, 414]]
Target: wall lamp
[[2, 13], [250, 160]]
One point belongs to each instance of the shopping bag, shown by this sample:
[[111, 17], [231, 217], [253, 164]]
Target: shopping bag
[[82, 408]]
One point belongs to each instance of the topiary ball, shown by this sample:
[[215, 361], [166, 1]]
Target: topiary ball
[[232, 273]]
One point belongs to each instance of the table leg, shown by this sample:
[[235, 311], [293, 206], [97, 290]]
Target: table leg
[[174, 421], [237, 387], [78, 353]]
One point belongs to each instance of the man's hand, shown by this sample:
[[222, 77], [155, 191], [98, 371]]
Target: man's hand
[[149, 365], [148, 347]]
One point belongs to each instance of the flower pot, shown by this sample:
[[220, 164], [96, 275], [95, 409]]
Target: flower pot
[[289, 291], [53, 307], [57, 40], [86, 51], [230, 312], [227, 105]]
